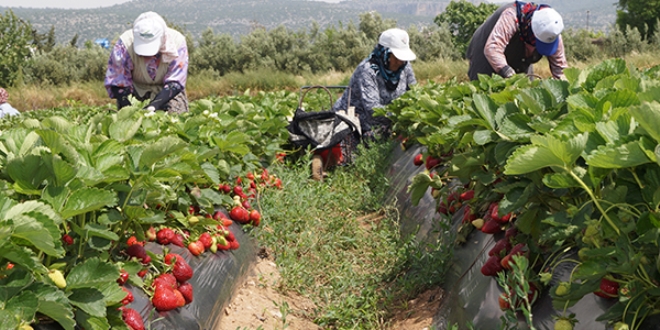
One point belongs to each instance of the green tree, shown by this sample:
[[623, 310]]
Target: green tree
[[15, 38], [463, 18], [372, 25], [640, 14], [50, 40]]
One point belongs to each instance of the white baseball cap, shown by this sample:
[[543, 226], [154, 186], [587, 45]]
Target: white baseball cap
[[547, 24], [398, 42], [148, 31]]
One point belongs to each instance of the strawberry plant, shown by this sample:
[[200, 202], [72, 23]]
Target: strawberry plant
[[568, 164], [83, 189]]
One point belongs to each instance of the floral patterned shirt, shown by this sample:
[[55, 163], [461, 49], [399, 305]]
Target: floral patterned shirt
[[120, 68], [368, 91]]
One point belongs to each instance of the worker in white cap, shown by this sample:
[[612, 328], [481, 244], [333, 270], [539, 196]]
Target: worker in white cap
[[379, 79], [149, 62], [515, 37]]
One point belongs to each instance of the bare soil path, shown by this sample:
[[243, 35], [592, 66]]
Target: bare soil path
[[257, 304]]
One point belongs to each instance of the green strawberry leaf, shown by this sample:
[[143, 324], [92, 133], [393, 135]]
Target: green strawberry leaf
[[13, 284], [419, 186], [91, 273], [621, 156], [90, 322], [54, 304], [160, 150], [88, 199], [648, 116], [90, 300], [124, 130]]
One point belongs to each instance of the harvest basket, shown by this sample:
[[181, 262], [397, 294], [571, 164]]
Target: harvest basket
[[322, 131]]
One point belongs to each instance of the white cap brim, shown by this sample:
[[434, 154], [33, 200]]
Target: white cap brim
[[405, 55], [146, 48]]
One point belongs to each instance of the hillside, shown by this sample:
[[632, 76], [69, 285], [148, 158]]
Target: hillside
[[239, 17]]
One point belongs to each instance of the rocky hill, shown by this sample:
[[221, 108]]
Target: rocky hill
[[239, 17]]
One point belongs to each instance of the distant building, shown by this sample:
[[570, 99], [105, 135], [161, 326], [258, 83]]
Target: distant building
[[103, 42]]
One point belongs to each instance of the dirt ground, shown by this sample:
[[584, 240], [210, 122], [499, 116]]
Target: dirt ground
[[257, 305]]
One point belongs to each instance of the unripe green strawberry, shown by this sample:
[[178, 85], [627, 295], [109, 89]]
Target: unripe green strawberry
[[562, 289], [545, 278], [193, 220], [25, 327], [58, 278], [478, 223], [621, 326], [563, 324]]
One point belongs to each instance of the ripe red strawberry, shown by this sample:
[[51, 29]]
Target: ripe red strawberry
[[166, 280], [239, 214], [234, 245], [133, 240], [165, 299], [608, 289], [246, 204], [223, 245], [138, 251], [196, 248], [129, 296], [468, 195], [206, 239], [142, 273], [123, 277], [432, 162], [226, 222], [67, 239], [278, 183], [182, 270], [186, 290], [165, 235], [217, 215], [492, 266], [132, 318], [419, 160], [491, 227], [230, 236], [502, 247], [468, 216], [503, 301], [519, 249], [178, 240], [255, 218]]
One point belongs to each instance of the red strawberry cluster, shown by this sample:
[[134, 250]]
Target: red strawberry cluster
[[241, 210], [171, 288], [454, 201]]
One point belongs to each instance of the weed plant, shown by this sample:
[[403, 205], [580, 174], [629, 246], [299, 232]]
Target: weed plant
[[337, 243]]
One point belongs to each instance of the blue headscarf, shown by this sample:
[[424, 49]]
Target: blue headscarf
[[380, 63]]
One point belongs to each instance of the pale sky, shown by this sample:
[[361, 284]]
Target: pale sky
[[65, 4], [74, 4]]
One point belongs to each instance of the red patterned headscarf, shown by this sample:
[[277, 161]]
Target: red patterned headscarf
[[3, 96], [524, 12]]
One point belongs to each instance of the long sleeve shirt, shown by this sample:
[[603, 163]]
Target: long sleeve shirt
[[503, 31], [120, 68]]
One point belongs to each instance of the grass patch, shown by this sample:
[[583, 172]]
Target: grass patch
[[338, 244]]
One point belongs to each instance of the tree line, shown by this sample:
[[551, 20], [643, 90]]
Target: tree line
[[28, 57]]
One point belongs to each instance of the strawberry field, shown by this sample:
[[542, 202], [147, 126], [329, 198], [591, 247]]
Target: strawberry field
[[110, 219], [100, 207], [563, 178]]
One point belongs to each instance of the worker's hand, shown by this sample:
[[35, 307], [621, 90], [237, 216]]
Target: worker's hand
[[507, 72]]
